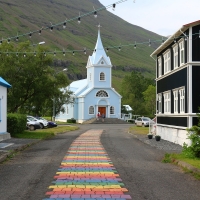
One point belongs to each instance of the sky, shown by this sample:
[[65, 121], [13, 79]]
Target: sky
[[159, 16]]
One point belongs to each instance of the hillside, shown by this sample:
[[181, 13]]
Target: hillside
[[24, 16]]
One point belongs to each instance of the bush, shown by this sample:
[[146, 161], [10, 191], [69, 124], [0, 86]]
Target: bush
[[193, 150], [72, 120], [16, 123]]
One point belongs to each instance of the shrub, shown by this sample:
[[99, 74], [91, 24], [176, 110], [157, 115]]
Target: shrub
[[16, 123], [72, 120], [193, 150]]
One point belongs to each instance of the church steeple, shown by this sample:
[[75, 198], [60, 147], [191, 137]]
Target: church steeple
[[99, 52]]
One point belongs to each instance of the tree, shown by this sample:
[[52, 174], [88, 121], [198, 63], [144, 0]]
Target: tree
[[150, 99], [132, 89], [33, 82]]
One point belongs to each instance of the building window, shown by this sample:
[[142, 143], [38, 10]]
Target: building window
[[90, 76], [159, 103], [182, 100], [102, 93], [175, 49], [91, 110], [67, 110], [112, 110], [181, 47], [175, 101], [167, 102], [159, 67], [102, 76], [167, 62]]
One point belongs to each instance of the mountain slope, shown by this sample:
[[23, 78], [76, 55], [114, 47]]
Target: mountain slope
[[24, 16]]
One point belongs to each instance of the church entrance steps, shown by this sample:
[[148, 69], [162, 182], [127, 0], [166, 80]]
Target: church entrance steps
[[108, 121]]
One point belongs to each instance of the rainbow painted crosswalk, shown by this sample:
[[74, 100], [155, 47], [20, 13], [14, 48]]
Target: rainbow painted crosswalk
[[87, 173]]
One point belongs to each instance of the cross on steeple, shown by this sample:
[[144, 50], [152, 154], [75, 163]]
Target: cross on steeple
[[99, 26]]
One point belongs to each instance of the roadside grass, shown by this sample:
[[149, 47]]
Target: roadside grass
[[44, 133], [139, 130], [172, 157]]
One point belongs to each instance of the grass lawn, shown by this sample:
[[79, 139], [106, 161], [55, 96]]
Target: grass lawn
[[139, 130], [45, 133]]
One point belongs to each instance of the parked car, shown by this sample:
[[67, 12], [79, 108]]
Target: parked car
[[143, 121], [32, 125], [43, 123], [50, 124]]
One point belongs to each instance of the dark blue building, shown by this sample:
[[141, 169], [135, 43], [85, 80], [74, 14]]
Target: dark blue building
[[178, 83]]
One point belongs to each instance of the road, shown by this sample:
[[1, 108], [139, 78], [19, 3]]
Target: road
[[28, 175]]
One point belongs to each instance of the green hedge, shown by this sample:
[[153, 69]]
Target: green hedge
[[16, 123], [71, 121]]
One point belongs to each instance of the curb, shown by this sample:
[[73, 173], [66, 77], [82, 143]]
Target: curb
[[188, 166], [21, 148]]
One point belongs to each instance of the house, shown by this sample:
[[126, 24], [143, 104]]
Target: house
[[95, 93], [3, 109], [178, 83], [128, 115]]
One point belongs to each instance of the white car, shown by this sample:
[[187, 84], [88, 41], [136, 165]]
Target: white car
[[32, 125], [143, 121], [43, 123]]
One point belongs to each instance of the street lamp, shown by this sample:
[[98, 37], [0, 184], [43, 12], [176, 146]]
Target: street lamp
[[54, 100]]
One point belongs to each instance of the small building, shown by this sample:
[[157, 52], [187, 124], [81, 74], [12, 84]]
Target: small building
[[178, 83], [3, 109], [95, 93]]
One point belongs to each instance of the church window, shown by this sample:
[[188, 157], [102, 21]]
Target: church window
[[90, 76], [112, 110], [102, 93], [102, 76], [67, 110], [91, 110], [102, 62]]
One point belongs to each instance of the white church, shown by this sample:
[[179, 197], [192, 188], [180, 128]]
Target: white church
[[95, 93]]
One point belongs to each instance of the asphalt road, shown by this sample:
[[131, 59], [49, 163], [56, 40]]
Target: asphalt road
[[28, 175]]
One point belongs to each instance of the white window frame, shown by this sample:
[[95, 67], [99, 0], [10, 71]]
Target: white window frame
[[90, 77], [102, 93], [175, 92], [159, 67], [159, 97], [91, 110], [112, 110], [182, 52], [102, 76], [167, 102], [175, 50], [182, 99], [67, 110], [167, 61]]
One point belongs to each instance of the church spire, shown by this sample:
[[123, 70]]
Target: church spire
[[99, 51]]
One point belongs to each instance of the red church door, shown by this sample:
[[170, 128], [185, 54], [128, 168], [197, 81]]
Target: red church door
[[102, 110]]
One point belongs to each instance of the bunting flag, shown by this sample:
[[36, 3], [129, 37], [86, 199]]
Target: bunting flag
[[87, 173]]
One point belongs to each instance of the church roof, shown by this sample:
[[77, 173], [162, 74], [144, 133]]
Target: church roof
[[99, 53], [76, 86], [4, 83]]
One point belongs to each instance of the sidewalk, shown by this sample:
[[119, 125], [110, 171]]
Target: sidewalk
[[7, 147]]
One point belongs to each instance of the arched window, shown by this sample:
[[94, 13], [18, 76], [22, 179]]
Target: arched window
[[102, 76], [90, 76], [91, 110], [102, 93], [67, 110], [112, 110]]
